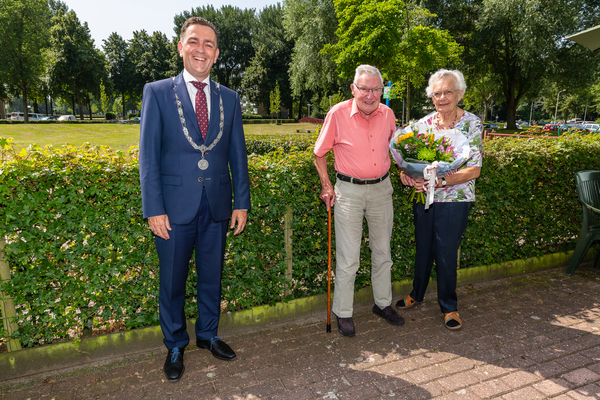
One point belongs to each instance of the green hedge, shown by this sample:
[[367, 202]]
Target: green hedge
[[80, 250]]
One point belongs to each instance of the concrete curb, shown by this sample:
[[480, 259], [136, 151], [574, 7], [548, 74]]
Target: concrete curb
[[58, 356]]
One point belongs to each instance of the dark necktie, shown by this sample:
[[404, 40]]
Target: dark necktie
[[201, 108]]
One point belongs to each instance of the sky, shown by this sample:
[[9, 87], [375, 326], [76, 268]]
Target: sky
[[127, 16]]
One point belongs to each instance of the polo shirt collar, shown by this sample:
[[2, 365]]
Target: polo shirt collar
[[354, 110]]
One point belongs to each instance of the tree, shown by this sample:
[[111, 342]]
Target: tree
[[235, 45], [523, 43], [78, 68], [388, 34], [150, 56], [312, 25], [275, 104], [23, 39], [121, 69], [273, 54]]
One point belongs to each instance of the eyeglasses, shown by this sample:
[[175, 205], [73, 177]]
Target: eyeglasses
[[445, 93], [364, 91]]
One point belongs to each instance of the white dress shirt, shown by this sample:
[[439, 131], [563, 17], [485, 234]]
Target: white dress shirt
[[187, 77]]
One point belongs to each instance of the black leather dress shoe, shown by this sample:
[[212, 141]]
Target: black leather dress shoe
[[174, 367], [346, 326], [218, 348], [389, 314]]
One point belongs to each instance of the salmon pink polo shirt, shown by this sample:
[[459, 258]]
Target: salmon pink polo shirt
[[360, 146]]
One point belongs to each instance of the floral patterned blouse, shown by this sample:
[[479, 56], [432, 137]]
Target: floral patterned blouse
[[470, 125]]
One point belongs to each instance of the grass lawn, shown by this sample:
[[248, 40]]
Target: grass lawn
[[117, 136]]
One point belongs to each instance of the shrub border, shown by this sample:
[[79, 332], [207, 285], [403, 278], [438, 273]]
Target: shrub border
[[41, 359]]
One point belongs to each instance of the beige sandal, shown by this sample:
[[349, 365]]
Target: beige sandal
[[452, 316], [408, 303]]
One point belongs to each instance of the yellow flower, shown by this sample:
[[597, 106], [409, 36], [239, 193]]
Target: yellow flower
[[405, 136]]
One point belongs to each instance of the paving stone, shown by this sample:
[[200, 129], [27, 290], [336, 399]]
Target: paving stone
[[490, 388], [528, 393], [581, 376], [301, 378], [518, 379], [392, 384], [458, 381], [427, 374], [33, 393], [367, 391], [459, 364], [239, 381], [553, 387], [548, 369], [574, 361], [263, 390], [273, 373], [129, 394], [300, 393], [587, 392]]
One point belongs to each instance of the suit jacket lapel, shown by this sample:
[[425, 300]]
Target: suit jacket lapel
[[215, 113], [191, 121]]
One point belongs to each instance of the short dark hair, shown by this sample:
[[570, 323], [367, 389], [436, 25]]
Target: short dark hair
[[199, 21]]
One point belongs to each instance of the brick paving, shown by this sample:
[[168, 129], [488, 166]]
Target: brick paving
[[535, 336]]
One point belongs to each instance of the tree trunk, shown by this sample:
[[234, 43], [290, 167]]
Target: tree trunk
[[36, 107], [89, 106], [46, 104], [407, 100], [123, 101], [300, 105], [51, 107], [73, 103], [25, 110], [79, 105]]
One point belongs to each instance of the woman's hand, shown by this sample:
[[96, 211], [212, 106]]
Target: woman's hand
[[406, 180]]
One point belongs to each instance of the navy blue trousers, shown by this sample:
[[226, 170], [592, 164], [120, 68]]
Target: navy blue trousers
[[208, 238], [438, 232]]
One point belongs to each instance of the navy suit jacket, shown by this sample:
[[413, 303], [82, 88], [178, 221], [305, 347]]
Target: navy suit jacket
[[169, 175]]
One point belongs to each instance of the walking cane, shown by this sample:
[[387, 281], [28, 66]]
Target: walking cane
[[329, 272]]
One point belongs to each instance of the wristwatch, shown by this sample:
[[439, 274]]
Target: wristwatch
[[443, 182]]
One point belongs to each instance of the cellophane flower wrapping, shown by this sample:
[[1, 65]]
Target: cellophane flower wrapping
[[416, 146]]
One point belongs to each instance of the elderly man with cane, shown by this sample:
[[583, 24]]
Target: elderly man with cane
[[359, 131]]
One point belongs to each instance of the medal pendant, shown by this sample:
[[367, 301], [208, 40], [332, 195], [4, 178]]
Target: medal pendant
[[203, 164]]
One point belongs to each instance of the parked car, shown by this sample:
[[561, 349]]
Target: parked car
[[67, 118], [487, 125], [550, 128], [592, 127], [49, 118], [17, 116], [516, 123]]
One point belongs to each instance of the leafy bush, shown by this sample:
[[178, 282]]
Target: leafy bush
[[80, 250]]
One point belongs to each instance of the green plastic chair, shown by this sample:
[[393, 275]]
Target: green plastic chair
[[588, 193]]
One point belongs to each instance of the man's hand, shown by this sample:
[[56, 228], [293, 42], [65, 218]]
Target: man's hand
[[240, 217], [160, 226], [328, 196], [327, 192]]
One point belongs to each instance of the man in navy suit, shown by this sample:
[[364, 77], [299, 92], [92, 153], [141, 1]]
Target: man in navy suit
[[191, 137]]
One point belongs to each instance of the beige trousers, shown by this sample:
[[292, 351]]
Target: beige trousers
[[353, 204]]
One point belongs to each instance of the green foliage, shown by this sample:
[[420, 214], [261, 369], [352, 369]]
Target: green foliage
[[389, 35], [312, 25], [23, 39], [77, 68], [79, 248], [272, 59], [275, 97]]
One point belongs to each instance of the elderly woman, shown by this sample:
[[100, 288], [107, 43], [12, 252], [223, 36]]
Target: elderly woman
[[439, 229]]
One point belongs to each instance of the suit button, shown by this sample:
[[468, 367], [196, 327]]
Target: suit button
[[200, 179]]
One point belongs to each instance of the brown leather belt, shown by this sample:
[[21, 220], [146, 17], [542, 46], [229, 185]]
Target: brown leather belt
[[357, 181]]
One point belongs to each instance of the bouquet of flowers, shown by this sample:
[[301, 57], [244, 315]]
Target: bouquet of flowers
[[422, 153]]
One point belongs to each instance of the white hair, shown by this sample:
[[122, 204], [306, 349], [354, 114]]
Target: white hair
[[444, 73], [368, 70]]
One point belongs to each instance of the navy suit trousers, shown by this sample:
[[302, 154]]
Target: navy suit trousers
[[207, 237], [438, 232]]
